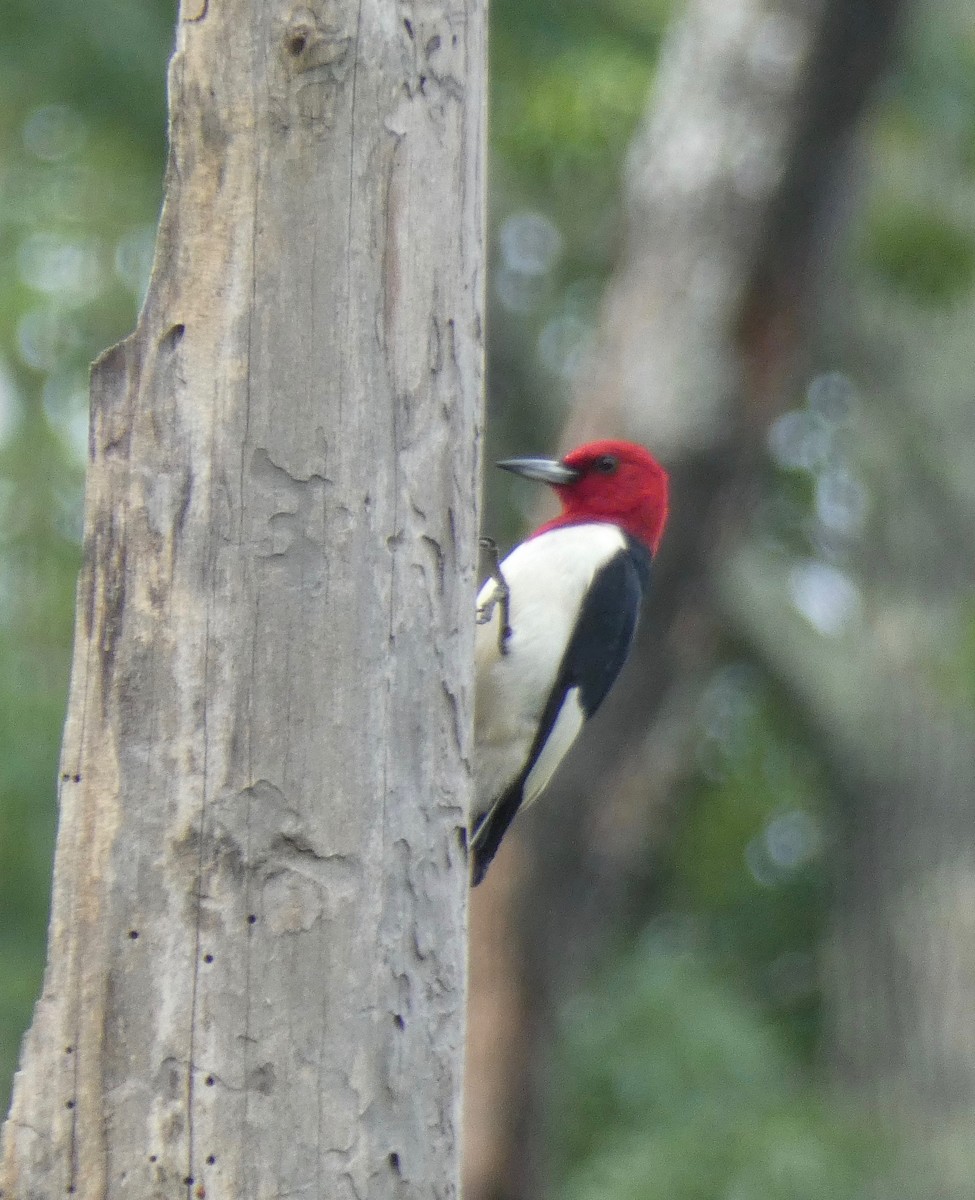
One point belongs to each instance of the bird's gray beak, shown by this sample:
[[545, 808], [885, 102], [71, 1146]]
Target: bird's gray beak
[[545, 470]]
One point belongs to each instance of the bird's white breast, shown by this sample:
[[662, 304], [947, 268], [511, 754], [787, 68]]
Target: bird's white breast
[[548, 577]]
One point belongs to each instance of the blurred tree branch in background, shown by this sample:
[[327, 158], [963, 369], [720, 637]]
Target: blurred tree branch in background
[[732, 184]]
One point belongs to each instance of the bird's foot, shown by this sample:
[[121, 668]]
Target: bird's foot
[[501, 596]]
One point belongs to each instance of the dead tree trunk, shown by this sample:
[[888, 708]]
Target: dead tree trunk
[[256, 975]]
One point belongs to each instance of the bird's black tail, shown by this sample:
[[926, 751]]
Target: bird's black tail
[[490, 828]]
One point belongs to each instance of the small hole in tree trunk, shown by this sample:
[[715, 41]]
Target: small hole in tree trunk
[[173, 336]]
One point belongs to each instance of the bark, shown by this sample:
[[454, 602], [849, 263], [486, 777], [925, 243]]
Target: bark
[[730, 184], [257, 958]]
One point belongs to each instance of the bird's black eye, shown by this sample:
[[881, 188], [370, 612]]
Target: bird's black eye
[[606, 464]]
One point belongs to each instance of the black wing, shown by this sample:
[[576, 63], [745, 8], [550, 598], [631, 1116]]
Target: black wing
[[593, 659]]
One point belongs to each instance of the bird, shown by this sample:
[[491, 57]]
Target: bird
[[555, 622]]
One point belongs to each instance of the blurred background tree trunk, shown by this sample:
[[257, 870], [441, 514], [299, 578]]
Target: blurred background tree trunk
[[899, 964], [733, 182], [257, 959]]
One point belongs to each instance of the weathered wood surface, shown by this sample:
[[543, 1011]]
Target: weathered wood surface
[[256, 975]]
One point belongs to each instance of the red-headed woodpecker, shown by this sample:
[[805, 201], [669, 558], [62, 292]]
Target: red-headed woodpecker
[[555, 624]]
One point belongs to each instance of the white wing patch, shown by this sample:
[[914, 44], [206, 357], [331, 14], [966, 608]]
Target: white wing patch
[[548, 576], [564, 733]]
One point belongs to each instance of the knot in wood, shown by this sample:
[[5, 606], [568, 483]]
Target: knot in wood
[[296, 39]]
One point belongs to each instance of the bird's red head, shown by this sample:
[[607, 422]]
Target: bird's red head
[[617, 482]]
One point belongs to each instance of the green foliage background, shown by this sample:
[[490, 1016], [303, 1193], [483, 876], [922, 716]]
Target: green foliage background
[[688, 1069], [82, 144]]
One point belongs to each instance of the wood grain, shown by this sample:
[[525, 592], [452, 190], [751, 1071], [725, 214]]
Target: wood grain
[[257, 960]]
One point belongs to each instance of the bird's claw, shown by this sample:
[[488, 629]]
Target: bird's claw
[[501, 597]]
